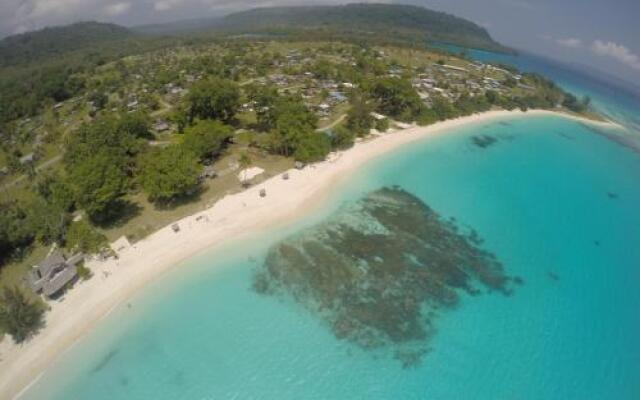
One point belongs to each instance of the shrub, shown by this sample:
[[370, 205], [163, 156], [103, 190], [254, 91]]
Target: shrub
[[84, 237], [382, 125], [20, 317], [342, 138], [312, 147], [84, 273]]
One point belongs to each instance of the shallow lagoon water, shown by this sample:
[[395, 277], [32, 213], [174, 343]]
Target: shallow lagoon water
[[556, 203]]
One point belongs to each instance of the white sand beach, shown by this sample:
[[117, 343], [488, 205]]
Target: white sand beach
[[231, 218]]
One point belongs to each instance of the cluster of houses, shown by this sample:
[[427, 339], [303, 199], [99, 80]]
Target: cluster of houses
[[448, 81], [293, 58], [334, 98], [310, 89]]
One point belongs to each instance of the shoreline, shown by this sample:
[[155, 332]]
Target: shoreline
[[232, 218]]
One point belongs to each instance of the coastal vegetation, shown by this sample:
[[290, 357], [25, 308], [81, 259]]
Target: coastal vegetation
[[123, 134], [20, 316], [170, 172]]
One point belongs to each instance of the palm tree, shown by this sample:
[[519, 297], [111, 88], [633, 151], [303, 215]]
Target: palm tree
[[245, 162]]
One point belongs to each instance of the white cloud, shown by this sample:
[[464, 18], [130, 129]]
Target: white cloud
[[517, 3], [165, 5], [570, 42], [44, 8], [616, 51], [117, 8]]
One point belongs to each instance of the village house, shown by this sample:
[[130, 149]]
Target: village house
[[52, 275], [161, 126], [337, 97], [27, 159], [323, 109]]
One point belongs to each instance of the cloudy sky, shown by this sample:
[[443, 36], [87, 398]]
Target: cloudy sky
[[601, 33]]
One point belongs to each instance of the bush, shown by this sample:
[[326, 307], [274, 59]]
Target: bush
[[85, 238], [313, 147], [84, 273], [382, 125], [342, 138], [20, 317], [427, 117]]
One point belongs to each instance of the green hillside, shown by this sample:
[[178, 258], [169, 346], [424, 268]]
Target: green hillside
[[400, 22], [52, 42]]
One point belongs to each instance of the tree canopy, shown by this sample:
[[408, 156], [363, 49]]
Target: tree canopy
[[396, 97], [99, 182], [17, 227], [169, 173], [82, 236], [292, 122], [100, 158], [264, 98], [20, 317], [207, 138], [312, 147], [214, 98], [359, 119]]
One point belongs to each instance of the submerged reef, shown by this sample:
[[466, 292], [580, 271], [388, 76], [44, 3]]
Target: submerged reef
[[483, 141], [379, 271]]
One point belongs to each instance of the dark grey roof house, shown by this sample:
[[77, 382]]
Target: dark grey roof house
[[27, 159], [51, 275], [161, 126]]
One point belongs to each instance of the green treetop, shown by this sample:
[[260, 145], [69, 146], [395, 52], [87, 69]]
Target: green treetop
[[214, 99], [169, 173], [19, 316], [206, 138], [359, 119], [396, 98]]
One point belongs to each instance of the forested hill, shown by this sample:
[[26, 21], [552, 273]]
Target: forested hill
[[52, 42], [402, 22]]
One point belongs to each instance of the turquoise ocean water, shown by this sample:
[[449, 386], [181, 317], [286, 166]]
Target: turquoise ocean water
[[554, 200]]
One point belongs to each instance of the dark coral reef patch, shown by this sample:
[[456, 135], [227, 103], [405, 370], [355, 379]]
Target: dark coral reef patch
[[379, 271], [483, 141]]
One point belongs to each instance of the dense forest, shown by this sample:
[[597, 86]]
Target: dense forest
[[38, 67], [51, 42], [409, 23]]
